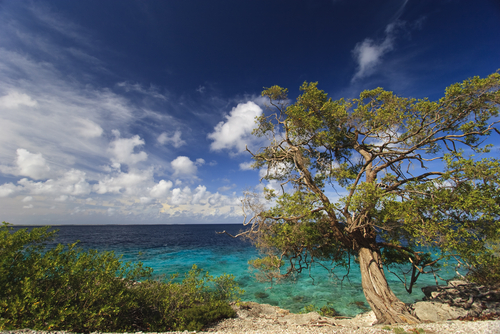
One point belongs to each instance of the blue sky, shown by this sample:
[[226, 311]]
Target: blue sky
[[139, 111]]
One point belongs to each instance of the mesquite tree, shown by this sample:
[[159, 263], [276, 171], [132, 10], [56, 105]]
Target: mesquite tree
[[403, 173]]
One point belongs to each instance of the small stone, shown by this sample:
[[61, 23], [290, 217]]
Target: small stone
[[457, 283], [435, 294]]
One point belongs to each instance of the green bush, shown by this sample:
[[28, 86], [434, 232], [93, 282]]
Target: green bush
[[196, 317], [485, 269], [486, 273], [176, 306], [65, 288], [326, 310]]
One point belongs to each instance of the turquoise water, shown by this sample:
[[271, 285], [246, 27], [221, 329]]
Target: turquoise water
[[170, 249], [316, 287]]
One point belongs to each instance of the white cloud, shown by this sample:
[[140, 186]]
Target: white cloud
[[276, 171], [71, 183], [55, 125], [235, 132], [175, 139], [7, 189], [368, 53], [48, 117], [215, 199], [152, 91], [32, 165], [130, 183], [183, 166], [180, 197], [161, 189], [226, 188], [145, 200], [200, 192], [89, 129], [123, 149], [61, 198], [15, 99], [246, 165], [27, 199]]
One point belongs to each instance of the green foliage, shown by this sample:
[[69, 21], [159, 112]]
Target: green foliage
[[65, 288], [174, 306], [406, 173], [486, 270], [328, 311], [308, 308], [197, 317], [325, 311]]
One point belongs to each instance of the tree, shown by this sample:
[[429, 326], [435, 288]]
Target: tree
[[405, 173]]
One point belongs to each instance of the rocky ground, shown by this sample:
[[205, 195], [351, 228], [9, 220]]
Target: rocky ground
[[262, 318], [459, 307]]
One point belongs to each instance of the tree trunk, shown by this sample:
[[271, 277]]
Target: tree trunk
[[387, 307]]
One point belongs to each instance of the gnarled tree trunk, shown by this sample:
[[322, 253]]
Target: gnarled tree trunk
[[387, 307]]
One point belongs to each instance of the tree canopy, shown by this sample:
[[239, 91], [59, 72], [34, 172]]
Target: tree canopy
[[376, 177]]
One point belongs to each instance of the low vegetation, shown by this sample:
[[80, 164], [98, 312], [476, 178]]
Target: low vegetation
[[66, 288]]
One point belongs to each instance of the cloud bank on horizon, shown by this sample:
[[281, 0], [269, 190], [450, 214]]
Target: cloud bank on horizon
[[137, 120]]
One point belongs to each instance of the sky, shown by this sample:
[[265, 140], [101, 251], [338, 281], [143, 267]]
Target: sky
[[139, 112]]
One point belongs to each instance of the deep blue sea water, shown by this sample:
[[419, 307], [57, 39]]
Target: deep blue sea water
[[170, 249]]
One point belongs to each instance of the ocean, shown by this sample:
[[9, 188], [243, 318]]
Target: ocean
[[170, 249]]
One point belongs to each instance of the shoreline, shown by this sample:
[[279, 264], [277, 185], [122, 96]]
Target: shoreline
[[264, 318], [268, 326]]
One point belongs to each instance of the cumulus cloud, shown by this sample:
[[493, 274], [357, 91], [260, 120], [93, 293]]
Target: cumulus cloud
[[72, 182], [7, 189], [161, 189], [369, 53], [61, 198], [145, 200], [175, 139], [181, 196], [215, 199], [56, 124], [123, 149], [183, 166], [32, 165], [27, 199], [235, 132], [28, 164], [199, 194], [128, 183], [246, 165]]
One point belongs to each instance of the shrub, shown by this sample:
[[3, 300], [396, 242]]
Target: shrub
[[485, 269], [65, 288], [179, 306], [486, 273]]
